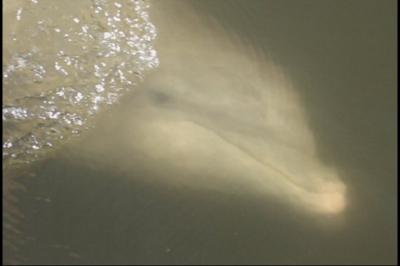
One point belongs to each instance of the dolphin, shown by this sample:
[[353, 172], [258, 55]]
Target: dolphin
[[218, 114]]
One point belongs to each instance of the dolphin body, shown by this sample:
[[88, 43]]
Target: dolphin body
[[218, 114]]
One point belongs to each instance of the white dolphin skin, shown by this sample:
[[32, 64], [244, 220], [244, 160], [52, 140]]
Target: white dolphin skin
[[219, 115]]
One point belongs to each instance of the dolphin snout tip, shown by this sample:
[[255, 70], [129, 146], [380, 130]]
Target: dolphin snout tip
[[332, 199]]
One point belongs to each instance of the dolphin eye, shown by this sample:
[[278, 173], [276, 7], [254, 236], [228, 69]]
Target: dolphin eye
[[160, 97]]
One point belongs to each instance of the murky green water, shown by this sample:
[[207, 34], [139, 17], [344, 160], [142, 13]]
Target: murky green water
[[265, 136]]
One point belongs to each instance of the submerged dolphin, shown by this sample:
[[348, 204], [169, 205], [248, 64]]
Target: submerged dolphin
[[218, 114]]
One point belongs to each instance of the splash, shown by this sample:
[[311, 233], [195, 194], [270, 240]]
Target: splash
[[63, 63]]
